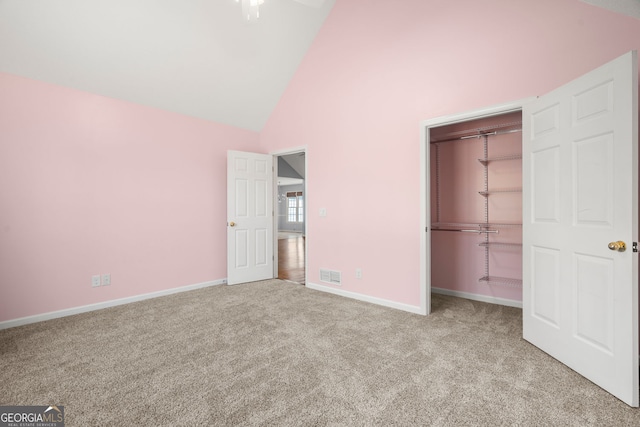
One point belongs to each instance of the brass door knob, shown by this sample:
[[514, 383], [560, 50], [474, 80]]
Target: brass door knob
[[619, 246], [232, 224]]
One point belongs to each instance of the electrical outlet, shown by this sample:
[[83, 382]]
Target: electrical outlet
[[106, 279], [358, 273], [95, 280]]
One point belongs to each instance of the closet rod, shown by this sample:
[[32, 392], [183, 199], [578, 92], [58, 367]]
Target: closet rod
[[465, 231], [478, 135]]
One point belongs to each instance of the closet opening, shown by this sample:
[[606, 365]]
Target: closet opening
[[475, 201], [580, 180]]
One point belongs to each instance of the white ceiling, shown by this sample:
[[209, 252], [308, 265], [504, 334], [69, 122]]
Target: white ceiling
[[297, 162], [626, 7], [195, 57]]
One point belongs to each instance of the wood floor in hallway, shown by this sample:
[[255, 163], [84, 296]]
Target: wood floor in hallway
[[291, 262]]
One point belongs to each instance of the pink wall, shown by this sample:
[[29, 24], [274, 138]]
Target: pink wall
[[375, 70], [92, 185]]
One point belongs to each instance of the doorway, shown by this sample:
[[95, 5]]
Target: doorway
[[476, 206], [579, 195], [430, 211], [290, 210]]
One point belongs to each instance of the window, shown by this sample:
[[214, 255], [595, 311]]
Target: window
[[295, 206]]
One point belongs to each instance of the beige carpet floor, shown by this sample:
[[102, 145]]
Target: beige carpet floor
[[276, 353]]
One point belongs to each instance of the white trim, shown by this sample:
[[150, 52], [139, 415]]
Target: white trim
[[360, 297], [106, 304], [478, 297], [425, 221], [493, 110], [292, 150], [425, 197]]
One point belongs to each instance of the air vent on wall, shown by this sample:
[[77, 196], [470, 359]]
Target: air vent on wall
[[330, 276]]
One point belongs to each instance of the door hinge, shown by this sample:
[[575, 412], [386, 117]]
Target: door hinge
[[426, 229], [635, 246]]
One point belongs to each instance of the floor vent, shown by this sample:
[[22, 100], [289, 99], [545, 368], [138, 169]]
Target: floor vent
[[330, 276]]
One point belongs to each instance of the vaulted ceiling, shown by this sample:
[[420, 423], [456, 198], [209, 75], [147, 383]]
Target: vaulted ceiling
[[626, 7], [195, 57]]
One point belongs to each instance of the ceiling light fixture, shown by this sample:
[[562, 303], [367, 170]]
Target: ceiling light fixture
[[250, 8]]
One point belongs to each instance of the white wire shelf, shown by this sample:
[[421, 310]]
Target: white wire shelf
[[499, 129], [502, 224], [478, 225], [438, 225], [502, 281], [468, 230], [462, 227], [500, 245], [500, 190], [500, 158]]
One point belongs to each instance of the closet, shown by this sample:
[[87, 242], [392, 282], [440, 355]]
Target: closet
[[578, 284], [476, 208]]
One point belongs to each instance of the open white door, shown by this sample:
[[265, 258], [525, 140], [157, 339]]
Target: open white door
[[249, 217], [580, 192]]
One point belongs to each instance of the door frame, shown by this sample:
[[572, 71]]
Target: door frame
[[276, 154], [425, 183]]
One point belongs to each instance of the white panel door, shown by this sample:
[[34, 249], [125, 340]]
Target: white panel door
[[249, 217], [580, 161]]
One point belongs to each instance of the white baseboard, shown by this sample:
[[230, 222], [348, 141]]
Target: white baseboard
[[106, 304], [477, 297], [360, 297]]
